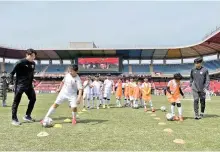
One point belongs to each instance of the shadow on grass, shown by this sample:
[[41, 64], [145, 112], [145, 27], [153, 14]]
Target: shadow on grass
[[9, 106], [94, 121], [206, 116], [86, 121], [211, 115]]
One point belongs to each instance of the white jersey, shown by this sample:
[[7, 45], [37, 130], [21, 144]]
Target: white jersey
[[97, 87], [92, 88], [71, 85], [123, 85], [108, 85], [86, 86]]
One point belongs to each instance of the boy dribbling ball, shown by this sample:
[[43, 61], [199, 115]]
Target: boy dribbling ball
[[68, 91], [173, 93]]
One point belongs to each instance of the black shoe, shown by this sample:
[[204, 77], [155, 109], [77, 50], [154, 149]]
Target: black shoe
[[28, 119], [197, 117], [201, 115]]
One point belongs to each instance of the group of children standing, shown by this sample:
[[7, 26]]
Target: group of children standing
[[136, 93]]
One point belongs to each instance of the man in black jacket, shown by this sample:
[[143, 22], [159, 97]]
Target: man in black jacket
[[199, 82], [24, 70]]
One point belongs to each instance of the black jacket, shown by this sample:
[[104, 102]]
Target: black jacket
[[24, 71]]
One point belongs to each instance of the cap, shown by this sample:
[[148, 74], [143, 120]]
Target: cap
[[198, 60]]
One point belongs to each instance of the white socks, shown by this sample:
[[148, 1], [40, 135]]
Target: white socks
[[173, 110], [74, 114], [50, 111], [180, 111]]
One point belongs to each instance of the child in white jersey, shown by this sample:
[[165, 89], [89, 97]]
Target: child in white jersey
[[97, 91], [87, 85], [68, 91], [108, 88]]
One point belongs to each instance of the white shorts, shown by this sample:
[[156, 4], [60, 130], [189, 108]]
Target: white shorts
[[61, 98], [107, 94], [131, 98]]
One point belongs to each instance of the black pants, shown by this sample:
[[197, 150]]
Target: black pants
[[199, 96], [17, 98]]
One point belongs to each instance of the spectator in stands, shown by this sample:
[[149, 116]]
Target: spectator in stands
[[199, 82]]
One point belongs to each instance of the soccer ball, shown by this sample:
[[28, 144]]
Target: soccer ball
[[163, 108], [135, 106], [169, 116], [47, 122]]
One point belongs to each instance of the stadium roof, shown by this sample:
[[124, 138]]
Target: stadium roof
[[210, 45]]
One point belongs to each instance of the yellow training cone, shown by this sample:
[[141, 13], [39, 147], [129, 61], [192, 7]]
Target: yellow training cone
[[67, 120], [42, 134], [57, 126], [84, 110]]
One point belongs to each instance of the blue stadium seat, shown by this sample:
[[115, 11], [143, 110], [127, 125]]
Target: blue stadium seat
[[56, 68], [173, 68], [8, 67], [125, 69], [140, 68]]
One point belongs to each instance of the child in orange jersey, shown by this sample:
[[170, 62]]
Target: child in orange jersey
[[131, 91], [126, 92], [137, 93], [118, 92], [146, 94], [173, 95]]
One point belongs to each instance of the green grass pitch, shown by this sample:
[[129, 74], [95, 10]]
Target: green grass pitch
[[111, 129]]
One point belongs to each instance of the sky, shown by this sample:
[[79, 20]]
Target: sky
[[52, 25]]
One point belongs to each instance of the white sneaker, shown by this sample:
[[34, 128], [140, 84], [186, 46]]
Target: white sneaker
[[15, 123], [28, 119], [97, 107]]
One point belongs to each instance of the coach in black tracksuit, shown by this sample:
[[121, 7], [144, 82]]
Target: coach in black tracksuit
[[199, 82], [24, 70]]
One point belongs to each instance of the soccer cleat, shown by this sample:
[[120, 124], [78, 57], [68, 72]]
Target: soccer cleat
[[4, 104], [103, 106], [197, 117], [175, 118], [97, 107], [41, 122], [145, 110], [28, 119], [108, 107], [153, 110], [201, 115], [180, 118], [73, 121], [15, 123]]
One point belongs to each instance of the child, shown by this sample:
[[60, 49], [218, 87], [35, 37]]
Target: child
[[173, 95], [108, 89], [131, 91], [118, 92], [146, 95], [87, 85], [68, 91], [137, 93], [97, 91], [126, 92]]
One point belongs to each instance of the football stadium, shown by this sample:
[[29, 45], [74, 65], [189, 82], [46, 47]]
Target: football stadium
[[116, 128]]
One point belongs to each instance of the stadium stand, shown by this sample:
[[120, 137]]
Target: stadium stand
[[39, 68], [56, 68], [48, 85], [140, 69], [9, 67], [125, 68]]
